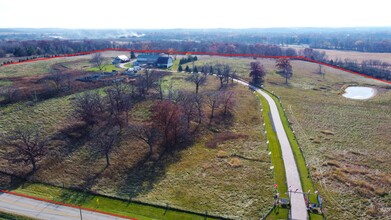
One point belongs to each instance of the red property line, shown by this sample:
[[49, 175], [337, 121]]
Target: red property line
[[65, 204], [302, 58]]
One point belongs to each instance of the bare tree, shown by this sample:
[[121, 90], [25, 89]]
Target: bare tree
[[150, 78], [146, 133], [228, 101], [159, 87], [213, 101], [284, 66], [57, 80], [119, 100], [199, 105], [98, 61], [105, 142], [167, 118], [88, 106], [28, 145], [187, 103], [198, 79], [320, 71], [226, 72], [10, 93]]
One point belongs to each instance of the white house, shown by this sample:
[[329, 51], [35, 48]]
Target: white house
[[120, 59]]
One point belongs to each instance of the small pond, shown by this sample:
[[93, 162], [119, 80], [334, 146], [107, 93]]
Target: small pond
[[359, 92]]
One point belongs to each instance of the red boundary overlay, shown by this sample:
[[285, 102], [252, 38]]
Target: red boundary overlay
[[202, 53], [65, 204]]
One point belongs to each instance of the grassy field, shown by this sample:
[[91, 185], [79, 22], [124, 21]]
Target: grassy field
[[345, 144], [354, 55], [5, 83], [42, 67], [128, 65], [349, 164], [105, 204], [107, 68], [216, 186]]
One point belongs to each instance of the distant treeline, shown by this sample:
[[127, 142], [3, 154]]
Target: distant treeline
[[374, 68], [56, 47], [50, 47]]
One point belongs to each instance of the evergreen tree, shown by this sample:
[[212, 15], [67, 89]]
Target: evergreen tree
[[211, 71], [180, 69], [132, 55], [195, 69], [187, 69]]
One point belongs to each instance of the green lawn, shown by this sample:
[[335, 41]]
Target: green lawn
[[101, 203], [128, 65], [5, 83], [277, 161], [107, 68], [9, 216]]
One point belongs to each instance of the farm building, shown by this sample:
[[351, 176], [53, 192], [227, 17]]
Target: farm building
[[120, 59], [147, 58], [164, 62], [158, 60]]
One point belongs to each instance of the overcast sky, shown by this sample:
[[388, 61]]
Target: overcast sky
[[166, 14]]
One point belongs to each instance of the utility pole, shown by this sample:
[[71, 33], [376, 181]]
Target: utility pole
[[81, 215]]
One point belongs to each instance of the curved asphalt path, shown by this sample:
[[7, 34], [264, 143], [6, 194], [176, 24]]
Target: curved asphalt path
[[298, 207], [36, 209]]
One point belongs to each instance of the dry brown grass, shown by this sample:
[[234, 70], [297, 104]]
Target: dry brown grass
[[194, 178], [350, 168], [359, 56], [222, 137]]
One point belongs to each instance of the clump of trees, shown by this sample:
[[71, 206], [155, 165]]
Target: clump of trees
[[51, 47], [257, 73], [284, 67], [188, 59], [176, 115]]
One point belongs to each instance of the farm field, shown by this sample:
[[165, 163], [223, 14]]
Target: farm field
[[230, 179], [349, 165], [41, 67], [354, 55]]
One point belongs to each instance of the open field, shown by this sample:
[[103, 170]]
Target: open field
[[349, 165], [244, 190], [42, 67], [354, 55]]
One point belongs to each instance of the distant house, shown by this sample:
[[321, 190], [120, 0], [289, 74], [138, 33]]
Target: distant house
[[164, 62], [120, 59]]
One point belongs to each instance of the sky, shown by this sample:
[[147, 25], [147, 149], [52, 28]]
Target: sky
[[169, 14]]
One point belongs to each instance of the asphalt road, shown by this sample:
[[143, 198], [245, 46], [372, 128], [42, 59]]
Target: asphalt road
[[43, 210], [298, 207]]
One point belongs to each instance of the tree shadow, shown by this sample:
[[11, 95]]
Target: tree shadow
[[10, 181], [141, 178], [74, 136], [75, 197]]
